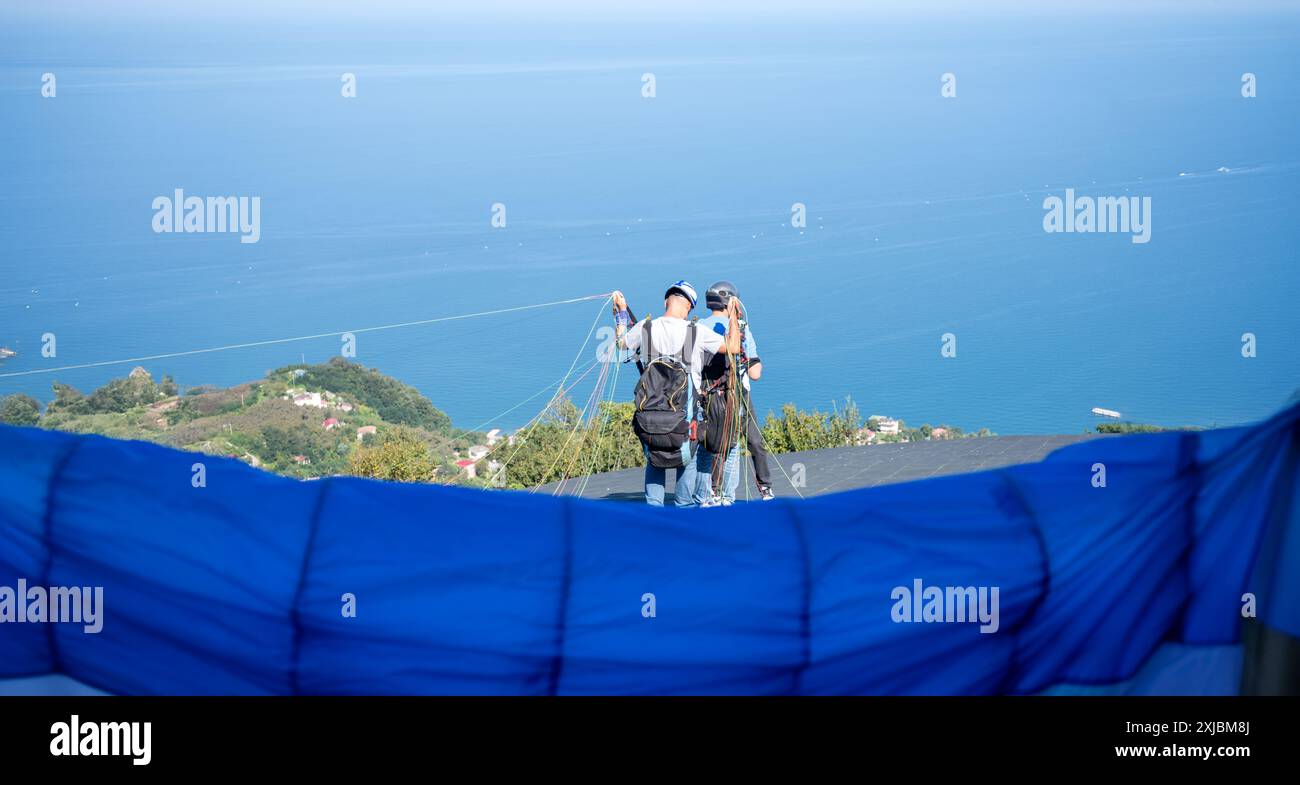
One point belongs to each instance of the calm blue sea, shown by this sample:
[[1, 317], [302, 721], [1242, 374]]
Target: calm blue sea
[[924, 214]]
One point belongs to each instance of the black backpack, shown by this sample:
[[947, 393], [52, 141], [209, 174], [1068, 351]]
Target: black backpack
[[661, 396]]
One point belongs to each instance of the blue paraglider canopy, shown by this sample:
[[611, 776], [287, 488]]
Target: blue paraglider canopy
[[1124, 563]]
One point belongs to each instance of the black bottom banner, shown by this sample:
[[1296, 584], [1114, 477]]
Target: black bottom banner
[[330, 735]]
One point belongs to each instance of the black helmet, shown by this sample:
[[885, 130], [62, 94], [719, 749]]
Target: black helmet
[[719, 294]]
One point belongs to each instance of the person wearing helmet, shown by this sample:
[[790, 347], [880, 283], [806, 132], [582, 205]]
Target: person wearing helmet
[[721, 298], [673, 351]]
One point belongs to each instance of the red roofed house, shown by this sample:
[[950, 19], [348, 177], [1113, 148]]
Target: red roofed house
[[330, 424]]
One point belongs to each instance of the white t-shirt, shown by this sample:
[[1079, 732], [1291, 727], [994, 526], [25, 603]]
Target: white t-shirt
[[669, 335]]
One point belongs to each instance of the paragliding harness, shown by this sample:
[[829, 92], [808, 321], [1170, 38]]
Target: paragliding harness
[[661, 398], [713, 416], [719, 408]]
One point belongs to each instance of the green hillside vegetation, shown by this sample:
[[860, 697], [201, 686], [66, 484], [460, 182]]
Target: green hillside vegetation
[[392, 400], [557, 446], [796, 430], [258, 423], [1133, 427], [401, 455], [20, 409]]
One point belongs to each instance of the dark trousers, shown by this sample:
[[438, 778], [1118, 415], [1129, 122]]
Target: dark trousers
[[754, 436]]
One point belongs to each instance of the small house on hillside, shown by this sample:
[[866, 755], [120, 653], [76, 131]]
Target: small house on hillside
[[312, 399], [886, 424]]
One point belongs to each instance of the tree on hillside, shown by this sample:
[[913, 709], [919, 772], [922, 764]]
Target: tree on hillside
[[281, 444], [400, 455], [19, 409], [121, 395], [67, 399]]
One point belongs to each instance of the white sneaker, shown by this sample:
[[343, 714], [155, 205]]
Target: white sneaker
[[728, 502], [712, 501]]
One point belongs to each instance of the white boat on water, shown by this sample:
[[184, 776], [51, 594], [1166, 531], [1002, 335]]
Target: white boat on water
[[1100, 412]]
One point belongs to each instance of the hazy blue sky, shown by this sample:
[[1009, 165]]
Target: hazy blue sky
[[598, 10]]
